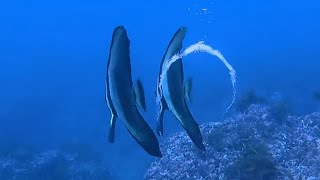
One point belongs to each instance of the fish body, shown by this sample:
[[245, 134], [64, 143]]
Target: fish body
[[120, 95], [172, 92]]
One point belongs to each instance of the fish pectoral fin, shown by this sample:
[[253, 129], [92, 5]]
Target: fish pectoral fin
[[139, 96], [187, 88], [112, 128]]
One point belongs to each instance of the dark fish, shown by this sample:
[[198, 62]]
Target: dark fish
[[120, 95], [172, 92]]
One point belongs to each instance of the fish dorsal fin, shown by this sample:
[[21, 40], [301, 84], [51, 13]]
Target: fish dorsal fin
[[187, 88], [138, 94]]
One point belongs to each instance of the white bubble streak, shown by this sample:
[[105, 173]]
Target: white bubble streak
[[200, 47]]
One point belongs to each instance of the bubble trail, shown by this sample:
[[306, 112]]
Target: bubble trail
[[200, 47]]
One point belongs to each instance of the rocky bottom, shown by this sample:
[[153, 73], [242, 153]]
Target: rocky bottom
[[255, 145]]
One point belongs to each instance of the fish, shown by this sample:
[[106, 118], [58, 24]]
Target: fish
[[172, 94], [119, 95]]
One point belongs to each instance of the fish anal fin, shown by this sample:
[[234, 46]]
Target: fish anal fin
[[160, 121], [112, 128]]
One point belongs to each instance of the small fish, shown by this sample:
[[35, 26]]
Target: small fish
[[119, 95], [173, 92], [204, 10]]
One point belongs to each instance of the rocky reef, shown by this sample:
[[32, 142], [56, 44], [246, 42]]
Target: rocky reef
[[253, 145], [52, 165]]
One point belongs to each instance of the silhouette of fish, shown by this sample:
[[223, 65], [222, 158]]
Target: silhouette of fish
[[120, 95], [172, 92]]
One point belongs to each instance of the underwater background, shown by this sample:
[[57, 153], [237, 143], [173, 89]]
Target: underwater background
[[53, 65]]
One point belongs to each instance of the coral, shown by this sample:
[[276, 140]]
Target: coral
[[250, 145]]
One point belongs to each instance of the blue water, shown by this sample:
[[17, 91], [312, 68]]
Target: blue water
[[53, 61]]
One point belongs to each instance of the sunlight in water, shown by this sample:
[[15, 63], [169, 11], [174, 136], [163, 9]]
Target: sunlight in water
[[200, 47]]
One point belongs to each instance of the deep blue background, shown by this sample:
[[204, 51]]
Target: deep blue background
[[53, 57]]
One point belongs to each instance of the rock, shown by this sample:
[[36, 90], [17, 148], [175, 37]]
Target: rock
[[251, 145], [53, 165]]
